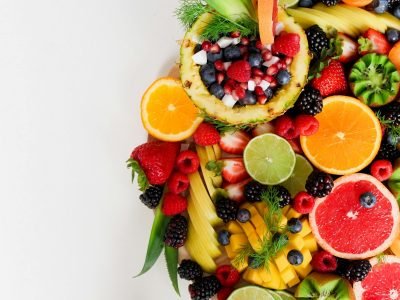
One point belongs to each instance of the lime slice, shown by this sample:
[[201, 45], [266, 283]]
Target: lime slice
[[274, 295], [269, 159], [297, 181], [285, 296], [251, 292], [288, 3]]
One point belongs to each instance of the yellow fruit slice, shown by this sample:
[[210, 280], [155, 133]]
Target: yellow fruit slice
[[348, 138], [167, 112]]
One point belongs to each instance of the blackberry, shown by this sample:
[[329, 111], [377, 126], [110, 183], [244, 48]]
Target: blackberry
[[355, 270], [391, 113], [388, 151], [204, 288], [152, 196], [226, 209], [284, 196], [189, 270], [253, 191], [330, 2], [319, 184], [392, 4], [176, 233], [317, 39], [309, 101]]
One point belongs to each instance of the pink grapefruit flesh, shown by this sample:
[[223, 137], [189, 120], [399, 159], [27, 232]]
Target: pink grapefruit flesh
[[343, 227], [383, 282]]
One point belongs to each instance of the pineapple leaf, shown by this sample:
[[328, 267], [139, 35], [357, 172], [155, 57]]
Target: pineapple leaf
[[171, 258]]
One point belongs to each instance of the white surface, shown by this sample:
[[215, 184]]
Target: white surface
[[71, 76]]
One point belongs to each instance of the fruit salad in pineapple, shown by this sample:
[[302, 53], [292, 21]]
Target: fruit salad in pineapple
[[272, 164]]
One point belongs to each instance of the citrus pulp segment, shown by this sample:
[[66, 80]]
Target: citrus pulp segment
[[297, 181], [251, 292], [269, 159], [348, 138], [167, 112]]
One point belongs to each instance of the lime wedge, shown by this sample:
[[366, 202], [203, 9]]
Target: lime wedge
[[251, 292], [297, 181], [285, 296], [275, 295], [269, 159], [288, 3]]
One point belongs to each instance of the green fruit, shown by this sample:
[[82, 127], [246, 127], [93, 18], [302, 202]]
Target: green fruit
[[394, 181], [274, 295], [324, 286], [285, 295], [297, 181], [250, 114], [251, 292], [374, 80]]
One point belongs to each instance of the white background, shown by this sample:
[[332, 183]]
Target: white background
[[71, 76]]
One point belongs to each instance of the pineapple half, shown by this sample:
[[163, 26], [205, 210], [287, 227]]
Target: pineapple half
[[250, 114]]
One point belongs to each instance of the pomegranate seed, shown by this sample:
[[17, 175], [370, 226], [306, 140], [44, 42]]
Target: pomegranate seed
[[215, 48], [243, 49], [228, 89], [272, 70], [288, 60], [266, 55], [279, 65], [219, 65], [259, 45], [273, 83], [206, 46], [243, 85], [235, 34], [231, 82], [268, 78], [220, 77], [259, 91], [262, 99], [256, 72], [284, 66], [235, 96], [240, 92], [245, 41], [257, 79]]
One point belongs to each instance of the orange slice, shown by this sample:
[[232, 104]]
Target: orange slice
[[168, 113], [348, 138]]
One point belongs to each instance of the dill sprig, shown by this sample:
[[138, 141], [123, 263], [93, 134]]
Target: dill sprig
[[273, 216], [189, 11], [394, 131], [222, 126], [244, 253]]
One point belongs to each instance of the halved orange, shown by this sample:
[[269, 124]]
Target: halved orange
[[168, 113], [348, 138]]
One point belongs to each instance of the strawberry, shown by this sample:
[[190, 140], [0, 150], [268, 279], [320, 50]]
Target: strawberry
[[332, 80], [234, 142], [173, 204], [373, 41], [206, 135], [236, 190], [263, 128], [349, 48], [154, 161], [234, 170], [287, 44], [239, 71]]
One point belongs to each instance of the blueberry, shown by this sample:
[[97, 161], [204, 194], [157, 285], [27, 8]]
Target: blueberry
[[254, 264], [295, 225], [295, 257], [283, 77], [269, 93], [277, 236], [380, 6], [306, 3], [232, 53], [213, 57], [217, 90], [255, 59], [249, 99], [243, 215], [392, 35], [396, 11], [207, 73], [368, 200], [223, 237], [252, 48]]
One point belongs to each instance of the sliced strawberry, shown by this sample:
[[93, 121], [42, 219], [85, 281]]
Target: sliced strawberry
[[234, 170], [236, 190], [373, 41], [263, 128], [349, 48], [234, 142]]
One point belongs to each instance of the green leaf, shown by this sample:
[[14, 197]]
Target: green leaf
[[141, 179], [215, 166], [156, 241], [171, 257]]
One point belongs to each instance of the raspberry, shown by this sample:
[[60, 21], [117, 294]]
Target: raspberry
[[287, 44], [206, 135], [306, 125], [381, 169], [224, 293], [239, 71], [173, 204], [303, 203], [178, 183], [227, 275], [286, 128], [187, 162], [324, 262]]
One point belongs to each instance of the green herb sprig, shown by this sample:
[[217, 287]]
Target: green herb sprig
[[189, 11], [394, 131], [136, 169], [223, 127]]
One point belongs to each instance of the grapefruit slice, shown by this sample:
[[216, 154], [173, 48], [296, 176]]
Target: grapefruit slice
[[343, 227], [382, 282]]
